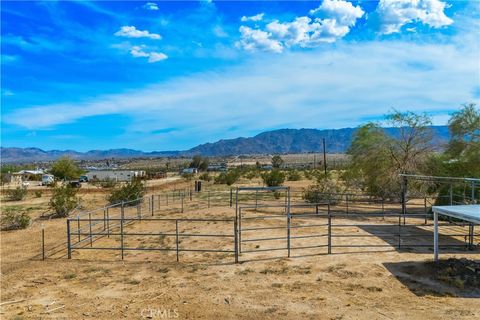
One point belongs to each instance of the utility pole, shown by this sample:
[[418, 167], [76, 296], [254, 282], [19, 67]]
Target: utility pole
[[324, 157]]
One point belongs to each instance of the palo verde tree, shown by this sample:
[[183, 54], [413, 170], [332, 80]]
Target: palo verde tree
[[378, 158], [65, 169]]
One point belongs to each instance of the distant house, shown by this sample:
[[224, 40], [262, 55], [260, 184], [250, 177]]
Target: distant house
[[27, 175], [115, 175], [217, 167], [189, 170]]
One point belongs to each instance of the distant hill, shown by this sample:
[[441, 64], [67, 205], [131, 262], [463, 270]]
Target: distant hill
[[297, 141], [270, 142]]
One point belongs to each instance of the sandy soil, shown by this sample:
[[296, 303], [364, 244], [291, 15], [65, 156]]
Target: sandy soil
[[98, 284]]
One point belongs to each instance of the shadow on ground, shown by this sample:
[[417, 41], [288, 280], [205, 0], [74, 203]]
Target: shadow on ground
[[415, 239], [452, 277]]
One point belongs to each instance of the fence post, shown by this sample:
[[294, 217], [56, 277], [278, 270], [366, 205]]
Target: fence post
[[167, 199], [69, 246], [329, 229], [121, 229], [346, 201], [239, 219], [399, 231], [159, 201], [182, 196], [90, 227], [235, 235], [383, 208], [208, 198], [43, 242], [425, 208], [108, 223], [256, 199], [104, 220], [78, 226], [176, 236], [152, 202], [473, 192], [288, 234], [231, 197], [190, 191]]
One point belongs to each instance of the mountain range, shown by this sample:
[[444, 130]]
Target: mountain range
[[271, 142]]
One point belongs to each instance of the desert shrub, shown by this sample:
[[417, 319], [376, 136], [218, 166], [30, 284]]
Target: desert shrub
[[108, 183], [38, 194], [273, 178], [129, 192], [294, 175], [16, 194], [13, 219], [188, 176], [252, 174], [326, 189], [64, 199], [227, 178], [205, 177]]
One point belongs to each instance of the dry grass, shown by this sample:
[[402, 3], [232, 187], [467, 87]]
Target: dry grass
[[98, 284]]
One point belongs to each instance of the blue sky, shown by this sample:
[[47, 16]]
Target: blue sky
[[168, 75]]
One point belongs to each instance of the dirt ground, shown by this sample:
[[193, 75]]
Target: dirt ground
[[385, 283]]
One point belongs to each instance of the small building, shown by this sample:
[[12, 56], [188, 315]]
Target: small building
[[115, 175], [189, 170], [27, 175]]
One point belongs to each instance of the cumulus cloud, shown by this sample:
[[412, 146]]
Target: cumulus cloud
[[396, 13], [254, 39], [256, 17], [139, 51], [342, 11], [152, 6], [132, 32], [332, 20]]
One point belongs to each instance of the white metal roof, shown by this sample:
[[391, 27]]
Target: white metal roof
[[470, 213]]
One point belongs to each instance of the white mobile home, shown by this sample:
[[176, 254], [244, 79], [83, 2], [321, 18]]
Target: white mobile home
[[115, 175]]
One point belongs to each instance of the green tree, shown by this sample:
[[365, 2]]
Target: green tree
[[228, 178], [277, 161], [65, 169], [377, 159], [462, 156]]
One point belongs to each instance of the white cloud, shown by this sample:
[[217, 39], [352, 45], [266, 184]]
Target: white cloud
[[254, 39], [256, 17], [333, 88], [150, 6], [334, 19], [139, 51], [132, 32], [342, 11], [396, 13]]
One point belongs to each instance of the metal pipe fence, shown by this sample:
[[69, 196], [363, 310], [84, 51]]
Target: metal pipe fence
[[267, 216]]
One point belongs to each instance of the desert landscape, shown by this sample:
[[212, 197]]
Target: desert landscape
[[347, 284]]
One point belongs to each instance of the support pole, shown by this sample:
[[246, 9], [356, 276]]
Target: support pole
[[329, 229], [208, 196], [435, 236], [121, 230], [43, 243], [104, 218], [182, 196], [451, 194], [78, 227], [152, 199], [176, 236], [235, 235], [231, 197], [108, 223], [90, 227], [239, 229], [69, 246], [288, 234], [324, 157]]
